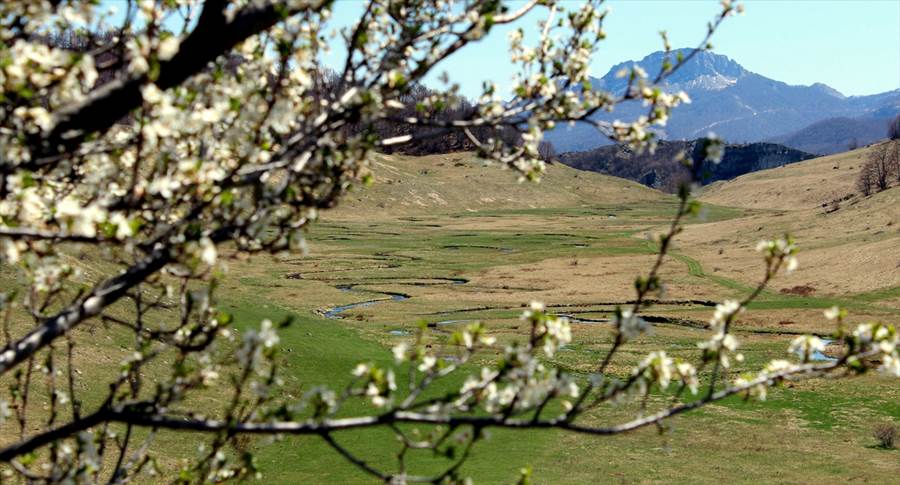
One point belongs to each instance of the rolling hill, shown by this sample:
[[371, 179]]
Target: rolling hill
[[849, 243], [813, 199], [460, 182]]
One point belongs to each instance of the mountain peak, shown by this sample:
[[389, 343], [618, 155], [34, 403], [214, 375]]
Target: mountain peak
[[702, 56], [822, 87], [736, 104], [704, 71]]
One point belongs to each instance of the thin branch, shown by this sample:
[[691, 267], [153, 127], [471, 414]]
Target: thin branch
[[88, 306], [353, 459], [112, 102], [323, 427], [39, 235]]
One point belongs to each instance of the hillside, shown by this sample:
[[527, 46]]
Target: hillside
[[849, 246], [813, 199], [459, 182], [662, 170], [737, 104], [802, 185], [849, 243]]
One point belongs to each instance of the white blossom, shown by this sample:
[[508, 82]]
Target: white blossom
[[399, 352], [208, 252], [5, 412], [631, 326], [428, 363], [806, 345], [168, 47]]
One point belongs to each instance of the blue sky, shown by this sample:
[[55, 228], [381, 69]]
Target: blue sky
[[851, 45]]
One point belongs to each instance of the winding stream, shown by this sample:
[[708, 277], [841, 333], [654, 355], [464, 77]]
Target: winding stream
[[820, 355], [336, 312]]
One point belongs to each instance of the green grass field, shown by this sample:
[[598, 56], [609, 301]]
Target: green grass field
[[575, 242], [816, 430]]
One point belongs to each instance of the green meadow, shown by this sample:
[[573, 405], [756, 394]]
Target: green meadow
[[576, 242]]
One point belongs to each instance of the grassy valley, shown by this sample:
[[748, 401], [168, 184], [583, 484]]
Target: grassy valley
[[370, 241], [426, 244], [420, 245]]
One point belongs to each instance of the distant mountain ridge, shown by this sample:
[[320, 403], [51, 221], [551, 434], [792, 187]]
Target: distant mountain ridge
[[733, 102], [661, 170], [834, 135]]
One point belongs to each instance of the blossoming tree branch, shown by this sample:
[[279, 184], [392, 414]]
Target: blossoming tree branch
[[157, 145]]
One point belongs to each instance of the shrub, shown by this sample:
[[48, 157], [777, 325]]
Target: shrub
[[885, 433]]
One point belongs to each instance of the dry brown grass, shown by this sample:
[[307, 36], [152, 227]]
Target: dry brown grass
[[802, 185], [460, 182], [853, 249]]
